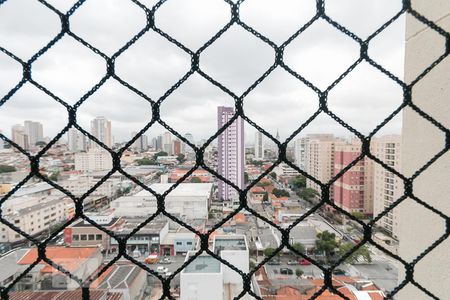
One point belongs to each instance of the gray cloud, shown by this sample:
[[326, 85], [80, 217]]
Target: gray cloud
[[236, 59]]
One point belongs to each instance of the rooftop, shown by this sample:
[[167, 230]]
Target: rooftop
[[183, 189], [69, 258], [203, 264], [232, 242]]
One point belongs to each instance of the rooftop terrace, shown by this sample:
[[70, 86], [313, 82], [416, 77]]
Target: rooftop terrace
[[203, 264]]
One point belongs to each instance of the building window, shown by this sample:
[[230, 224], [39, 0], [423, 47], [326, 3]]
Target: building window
[[83, 237], [91, 237], [189, 243], [178, 243], [98, 237], [75, 237]]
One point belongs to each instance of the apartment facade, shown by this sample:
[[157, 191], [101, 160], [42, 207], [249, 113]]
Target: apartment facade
[[353, 191], [259, 145], [387, 186], [93, 160], [300, 149], [231, 152], [34, 131], [76, 141], [19, 136], [101, 129], [320, 159], [35, 217]]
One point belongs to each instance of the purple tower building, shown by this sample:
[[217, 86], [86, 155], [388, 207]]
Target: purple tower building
[[231, 151]]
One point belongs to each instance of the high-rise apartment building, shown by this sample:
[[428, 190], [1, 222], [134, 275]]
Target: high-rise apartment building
[[167, 143], [34, 131], [76, 141], [141, 143], [300, 148], [320, 159], [231, 151], [259, 146], [387, 186], [176, 147], [101, 129], [184, 147], [353, 191], [19, 136]]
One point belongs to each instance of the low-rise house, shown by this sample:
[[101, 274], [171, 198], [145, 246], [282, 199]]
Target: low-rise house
[[81, 262]]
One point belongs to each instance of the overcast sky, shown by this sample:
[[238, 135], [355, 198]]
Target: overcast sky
[[236, 59]]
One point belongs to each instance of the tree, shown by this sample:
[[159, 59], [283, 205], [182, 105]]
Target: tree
[[299, 182], [299, 247], [181, 158], [256, 163], [326, 242], [145, 161], [280, 193], [308, 193], [54, 176], [263, 183], [362, 251], [195, 179], [358, 215], [298, 272], [41, 143], [160, 153], [245, 177], [269, 251], [6, 169], [265, 197], [273, 175]]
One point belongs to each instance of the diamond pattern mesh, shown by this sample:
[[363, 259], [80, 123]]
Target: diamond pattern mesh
[[278, 62]]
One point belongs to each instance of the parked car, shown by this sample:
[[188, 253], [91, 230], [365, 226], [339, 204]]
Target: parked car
[[168, 274], [274, 262], [286, 271], [161, 270], [339, 272], [292, 262], [151, 259], [165, 260], [304, 262]]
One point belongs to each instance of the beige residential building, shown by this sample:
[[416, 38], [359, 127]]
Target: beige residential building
[[34, 216], [387, 187], [320, 159], [81, 184], [19, 136], [93, 160]]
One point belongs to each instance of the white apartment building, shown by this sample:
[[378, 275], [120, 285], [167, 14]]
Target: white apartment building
[[34, 215], [284, 170], [141, 143], [188, 200], [202, 279], [78, 185], [206, 278], [300, 147], [387, 187], [101, 129], [76, 141], [259, 145], [93, 160], [34, 131]]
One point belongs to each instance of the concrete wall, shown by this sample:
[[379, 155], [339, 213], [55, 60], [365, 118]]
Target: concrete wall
[[201, 286], [418, 227]]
